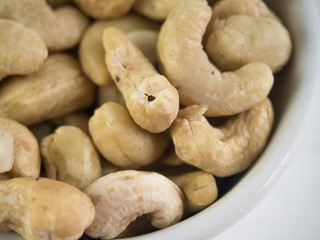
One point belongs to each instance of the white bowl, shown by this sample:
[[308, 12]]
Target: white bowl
[[293, 96]]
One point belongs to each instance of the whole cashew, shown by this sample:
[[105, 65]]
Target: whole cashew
[[226, 150], [105, 8], [70, 156], [57, 88], [155, 9], [151, 100], [91, 51], [246, 31], [121, 141], [60, 29], [20, 57], [121, 197], [20, 146], [199, 188], [44, 209], [198, 81]]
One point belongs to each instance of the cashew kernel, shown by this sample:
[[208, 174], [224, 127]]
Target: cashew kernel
[[246, 31], [70, 156], [44, 209], [151, 100], [57, 88], [198, 81], [91, 52], [226, 150], [60, 29], [121, 141], [105, 8], [121, 197], [22, 50], [25, 148]]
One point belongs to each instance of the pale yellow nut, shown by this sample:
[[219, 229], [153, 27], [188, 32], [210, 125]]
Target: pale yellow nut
[[60, 29], [199, 188], [198, 81], [44, 209], [121, 141], [246, 31], [6, 150], [57, 88], [155, 9], [110, 93], [91, 52], [70, 156], [121, 197], [226, 150], [22, 50], [103, 9], [25, 148], [78, 119], [151, 100]]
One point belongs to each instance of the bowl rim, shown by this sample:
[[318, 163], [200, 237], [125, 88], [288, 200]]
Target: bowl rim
[[266, 173]]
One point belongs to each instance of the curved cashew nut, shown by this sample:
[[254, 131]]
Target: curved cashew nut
[[151, 100], [187, 67], [155, 9], [121, 141], [105, 8], [199, 188], [60, 29], [29, 99], [91, 52], [122, 196], [246, 31], [70, 156], [223, 151], [21, 149], [44, 209], [20, 57]]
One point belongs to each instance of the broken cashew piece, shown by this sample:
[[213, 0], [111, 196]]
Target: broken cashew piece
[[70, 156], [91, 52], [121, 141], [246, 31], [20, 57], [105, 8], [155, 9], [57, 88], [186, 65], [121, 197], [21, 147], [226, 150], [60, 29], [199, 188], [151, 100], [44, 209]]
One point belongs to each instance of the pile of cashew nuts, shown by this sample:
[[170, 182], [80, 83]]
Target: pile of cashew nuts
[[109, 110]]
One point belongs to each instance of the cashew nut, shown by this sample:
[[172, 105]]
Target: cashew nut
[[151, 100], [155, 9], [6, 151], [78, 119], [70, 156], [226, 150], [121, 141], [199, 188], [110, 93], [22, 51], [122, 196], [246, 31], [105, 8], [44, 209], [60, 29], [58, 88], [25, 149], [91, 52], [198, 81]]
